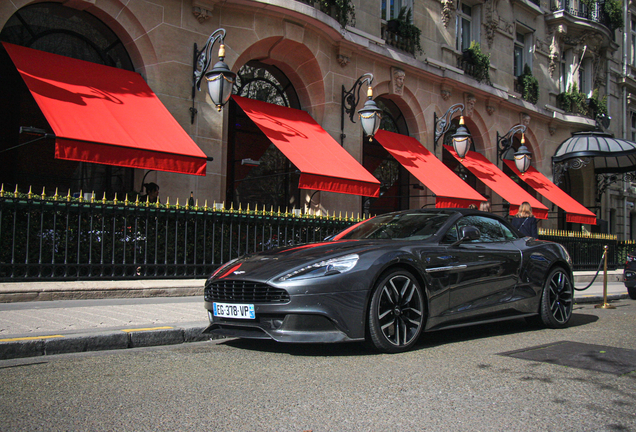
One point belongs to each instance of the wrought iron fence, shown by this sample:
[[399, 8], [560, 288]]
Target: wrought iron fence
[[64, 238], [586, 249], [72, 239]]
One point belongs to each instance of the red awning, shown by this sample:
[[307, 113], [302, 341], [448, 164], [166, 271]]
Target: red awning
[[449, 189], [575, 212], [500, 183], [323, 163], [105, 115]]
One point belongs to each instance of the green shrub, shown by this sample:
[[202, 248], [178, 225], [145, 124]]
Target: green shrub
[[480, 62], [529, 85], [345, 12], [403, 26]]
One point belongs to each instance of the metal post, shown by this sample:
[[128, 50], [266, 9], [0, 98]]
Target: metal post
[[605, 305]]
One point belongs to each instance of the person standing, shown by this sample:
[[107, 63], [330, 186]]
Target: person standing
[[525, 221], [484, 206], [152, 193]]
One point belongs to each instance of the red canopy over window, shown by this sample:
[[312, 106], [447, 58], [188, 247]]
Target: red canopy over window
[[500, 183], [575, 212], [323, 163], [449, 189], [105, 115]]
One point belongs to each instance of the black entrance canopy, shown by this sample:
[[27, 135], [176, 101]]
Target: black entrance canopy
[[610, 155]]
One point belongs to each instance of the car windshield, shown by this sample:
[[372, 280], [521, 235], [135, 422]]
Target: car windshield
[[402, 226]]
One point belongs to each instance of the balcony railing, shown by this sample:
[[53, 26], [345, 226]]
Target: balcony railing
[[396, 41], [577, 8]]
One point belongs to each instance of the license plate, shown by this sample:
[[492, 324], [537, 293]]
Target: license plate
[[230, 310]]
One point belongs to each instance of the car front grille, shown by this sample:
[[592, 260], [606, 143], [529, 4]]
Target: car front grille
[[244, 291]]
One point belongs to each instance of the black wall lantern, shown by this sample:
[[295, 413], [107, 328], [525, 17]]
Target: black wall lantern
[[370, 114], [461, 139], [220, 79], [522, 157]]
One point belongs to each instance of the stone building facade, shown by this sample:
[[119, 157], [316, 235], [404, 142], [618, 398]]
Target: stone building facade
[[307, 51]]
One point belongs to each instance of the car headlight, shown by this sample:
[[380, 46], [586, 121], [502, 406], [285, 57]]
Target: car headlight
[[323, 268]]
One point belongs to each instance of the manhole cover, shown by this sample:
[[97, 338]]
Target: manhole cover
[[599, 358]]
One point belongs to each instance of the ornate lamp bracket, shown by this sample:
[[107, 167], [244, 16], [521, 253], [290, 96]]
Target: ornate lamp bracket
[[442, 124]]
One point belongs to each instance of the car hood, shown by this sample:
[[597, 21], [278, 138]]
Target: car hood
[[276, 262]]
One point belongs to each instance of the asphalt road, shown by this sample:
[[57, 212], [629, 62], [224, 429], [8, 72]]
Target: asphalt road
[[454, 381]]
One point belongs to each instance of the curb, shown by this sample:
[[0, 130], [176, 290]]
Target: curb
[[11, 292], [38, 346], [599, 299]]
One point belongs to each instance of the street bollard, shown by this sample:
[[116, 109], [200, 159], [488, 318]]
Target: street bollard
[[605, 304]]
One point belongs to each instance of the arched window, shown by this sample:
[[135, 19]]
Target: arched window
[[257, 172], [57, 29], [393, 177]]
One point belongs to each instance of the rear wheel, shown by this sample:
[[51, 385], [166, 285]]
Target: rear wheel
[[396, 314], [632, 293], [557, 300]]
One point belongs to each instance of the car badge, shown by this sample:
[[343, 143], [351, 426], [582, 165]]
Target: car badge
[[238, 272]]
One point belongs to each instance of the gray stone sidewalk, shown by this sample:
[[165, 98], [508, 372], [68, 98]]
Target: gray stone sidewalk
[[89, 316]]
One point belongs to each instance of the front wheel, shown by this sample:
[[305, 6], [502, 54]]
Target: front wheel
[[632, 293], [396, 314], [557, 300]]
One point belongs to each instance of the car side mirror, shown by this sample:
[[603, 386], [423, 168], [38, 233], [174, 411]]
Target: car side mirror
[[467, 233]]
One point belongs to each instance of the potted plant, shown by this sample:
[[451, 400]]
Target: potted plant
[[614, 11], [341, 10], [573, 101], [403, 27], [480, 62], [529, 85], [596, 105]]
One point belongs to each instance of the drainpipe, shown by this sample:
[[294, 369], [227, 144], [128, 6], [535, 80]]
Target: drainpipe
[[627, 23]]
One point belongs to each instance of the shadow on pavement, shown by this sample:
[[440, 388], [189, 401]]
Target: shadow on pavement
[[427, 340]]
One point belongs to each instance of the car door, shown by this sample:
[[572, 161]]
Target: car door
[[486, 269]]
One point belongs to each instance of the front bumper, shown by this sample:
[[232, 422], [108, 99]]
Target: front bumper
[[305, 318]]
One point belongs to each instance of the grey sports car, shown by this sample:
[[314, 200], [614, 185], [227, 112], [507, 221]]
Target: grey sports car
[[390, 278]]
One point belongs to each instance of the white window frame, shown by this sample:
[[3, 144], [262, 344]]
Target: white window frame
[[526, 48], [586, 86], [633, 41], [388, 14], [567, 60], [461, 43]]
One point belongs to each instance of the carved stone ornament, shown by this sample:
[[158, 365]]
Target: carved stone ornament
[[448, 8], [491, 22], [446, 93], [555, 34], [552, 128], [490, 109], [398, 76], [343, 60], [470, 101], [524, 119], [200, 13]]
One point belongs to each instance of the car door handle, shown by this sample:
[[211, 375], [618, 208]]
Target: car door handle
[[446, 268]]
